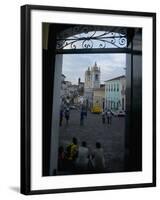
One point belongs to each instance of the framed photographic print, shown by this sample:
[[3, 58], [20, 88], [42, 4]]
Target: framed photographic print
[[88, 99]]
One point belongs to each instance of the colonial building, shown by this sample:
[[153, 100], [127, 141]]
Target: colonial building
[[99, 97], [92, 81], [115, 93]]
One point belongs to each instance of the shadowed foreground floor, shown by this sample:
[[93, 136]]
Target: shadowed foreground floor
[[111, 137]]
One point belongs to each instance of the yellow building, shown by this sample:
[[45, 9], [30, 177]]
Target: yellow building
[[98, 99]]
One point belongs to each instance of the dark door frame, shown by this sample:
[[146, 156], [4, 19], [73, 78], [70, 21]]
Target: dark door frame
[[133, 157]]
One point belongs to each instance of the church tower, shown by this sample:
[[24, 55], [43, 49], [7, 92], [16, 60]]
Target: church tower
[[92, 77], [92, 81], [95, 71], [88, 78]]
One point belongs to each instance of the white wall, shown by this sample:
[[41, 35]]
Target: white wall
[[10, 100]]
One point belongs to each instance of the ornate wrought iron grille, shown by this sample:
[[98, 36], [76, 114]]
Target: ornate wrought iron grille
[[91, 37]]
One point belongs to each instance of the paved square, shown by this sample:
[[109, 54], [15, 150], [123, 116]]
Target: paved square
[[111, 137]]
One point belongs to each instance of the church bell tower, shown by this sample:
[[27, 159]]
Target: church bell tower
[[95, 71]]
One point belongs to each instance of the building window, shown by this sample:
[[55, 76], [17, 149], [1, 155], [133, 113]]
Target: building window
[[117, 87], [111, 87], [114, 87]]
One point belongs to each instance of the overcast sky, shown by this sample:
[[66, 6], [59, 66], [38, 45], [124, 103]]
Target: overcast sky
[[75, 65]]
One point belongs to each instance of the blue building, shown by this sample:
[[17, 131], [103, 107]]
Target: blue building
[[115, 90]]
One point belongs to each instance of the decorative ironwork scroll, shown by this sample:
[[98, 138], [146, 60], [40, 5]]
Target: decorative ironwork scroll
[[89, 37]]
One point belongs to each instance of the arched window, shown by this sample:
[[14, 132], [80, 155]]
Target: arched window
[[89, 37]]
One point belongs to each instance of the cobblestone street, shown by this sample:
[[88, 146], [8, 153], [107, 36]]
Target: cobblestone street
[[111, 137]]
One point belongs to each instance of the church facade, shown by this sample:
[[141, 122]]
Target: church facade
[[92, 82]]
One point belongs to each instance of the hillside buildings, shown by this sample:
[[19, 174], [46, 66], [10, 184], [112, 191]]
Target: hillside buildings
[[111, 95]]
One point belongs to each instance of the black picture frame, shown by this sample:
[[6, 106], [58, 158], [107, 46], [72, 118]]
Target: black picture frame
[[26, 98]]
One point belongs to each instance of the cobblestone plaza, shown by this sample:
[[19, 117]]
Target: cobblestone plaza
[[111, 137]]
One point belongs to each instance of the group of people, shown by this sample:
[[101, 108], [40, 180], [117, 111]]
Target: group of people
[[107, 115], [79, 159], [65, 113]]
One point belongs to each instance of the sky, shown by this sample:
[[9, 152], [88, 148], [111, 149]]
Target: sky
[[75, 65]]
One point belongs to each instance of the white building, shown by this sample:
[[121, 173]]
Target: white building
[[65, 85]]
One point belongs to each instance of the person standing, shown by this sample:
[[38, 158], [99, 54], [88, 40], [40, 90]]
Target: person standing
[[67, 115], [103, 117], [109, 117], [81, 117]]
